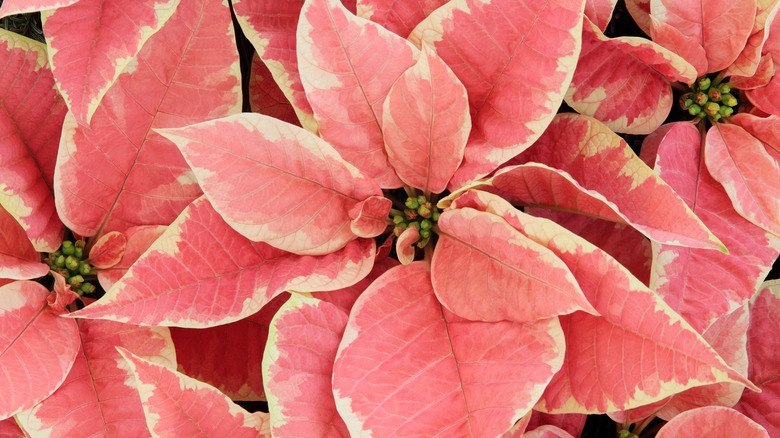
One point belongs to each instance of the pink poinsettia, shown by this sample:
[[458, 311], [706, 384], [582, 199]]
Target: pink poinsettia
[[485, 293]]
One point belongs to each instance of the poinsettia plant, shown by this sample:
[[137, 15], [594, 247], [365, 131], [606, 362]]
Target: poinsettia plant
[[411, 234]]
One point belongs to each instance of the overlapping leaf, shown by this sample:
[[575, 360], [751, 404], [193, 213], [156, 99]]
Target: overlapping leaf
[[265, 97], [347, 66], [298, 367], [485, 270], [31, 114], [399, 17], [10, 429], [712, 422], [201, 273], [118, 172], [271, 27], [489, 46], [601, 177], [85, 62], [402, 352], [175, 404], [13, 7], [637, 97], [37, 347], [139, 239], [107, 399], [18, 258], [108, 250], [702, 285], [233, 367], [721, 27], [747, 172], [623, 345], [599, 12], [274, 182], [426, 124]]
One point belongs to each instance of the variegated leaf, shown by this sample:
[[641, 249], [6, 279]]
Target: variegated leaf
[[18, 258], [712, 422], [399, 17]]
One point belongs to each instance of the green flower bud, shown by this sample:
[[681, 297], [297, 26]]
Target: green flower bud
[[711, 108], [686, 100], [87, 288], [412, 203], [714, 94], [84, 268], [415, 224], [78, 252], [60, 261], [80, 244], [729, 99], [56, 254], [68, 248], [76, 279], [397, 219], [694, 109], [421, 200], [71, 263], [435, 215], [425, 224], [700, 99], [410, 214], [421, 243], [425, 209], [425, 234], [703, 83], [724, 88], [715, 117], [726, 111]]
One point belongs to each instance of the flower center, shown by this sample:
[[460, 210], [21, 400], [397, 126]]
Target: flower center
[[67, 262], [710, 98], [419, 213]]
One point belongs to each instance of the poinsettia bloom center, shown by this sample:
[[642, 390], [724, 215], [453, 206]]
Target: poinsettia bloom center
[[67, 261], [710, 98], [419, 212]]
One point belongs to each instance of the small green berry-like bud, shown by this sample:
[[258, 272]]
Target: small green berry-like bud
[[60, 261], [711, 108], [68, 248], [78, 252], [703, 84], [694, 110], [72, 263], [410, 214], [700, 99], [398, 219], [421, 200], [412, 203], [80, 244], [415, 224], [715, 117], [714, 94], [729, 99], [76, 279], [724, 88], [686, 100], [87, 288], [425, 234], [726, 111], [56, 254], [84, 268], [422, 242], [425, 209], [425, 224], [435, 215]]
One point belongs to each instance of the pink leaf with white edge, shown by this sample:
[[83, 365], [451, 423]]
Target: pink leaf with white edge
[[670, 37], [108, 250], [13, 7], [265, 97], [62, 294], [748, 173], [298, 365], [489, 46], [485, 270], [518, 429], [765, 129], [347, 65], [712, 422], [403, 352], [599, 12], [139, 239], [10, 429], [547, 432], [271, 28], [728, 336], [640, 12], [177, 405], [623, 242], [766, 97], [637, 97], [601, 162], [748, 60], [764, 359], [426, 124], [18, 259], [274, 182], [369, 217], [404, 245], [118, 172], [107, 400], [721, 27], [663, 360], [399, 17], [110, 35], [31, 114], [201, 273], [232, 367], [37, 347], [699, 284]]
